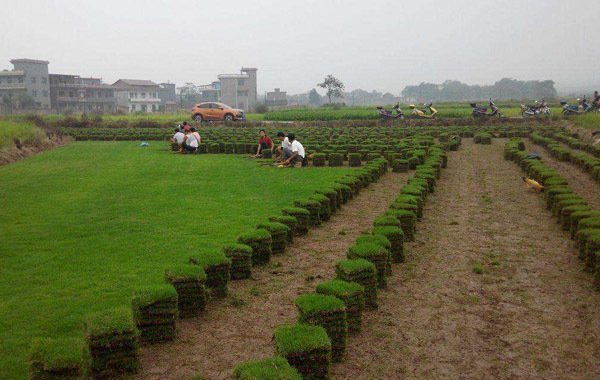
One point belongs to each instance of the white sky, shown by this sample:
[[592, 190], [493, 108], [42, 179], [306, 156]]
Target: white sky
[[376, 44]]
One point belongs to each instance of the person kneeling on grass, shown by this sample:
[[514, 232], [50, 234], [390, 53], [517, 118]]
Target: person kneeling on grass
[[178, 138], [293, 156], [190, 143], [285, 143], [264, 142]]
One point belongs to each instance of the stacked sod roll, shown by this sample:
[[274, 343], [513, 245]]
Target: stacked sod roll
[[189, 282], [155, 310]]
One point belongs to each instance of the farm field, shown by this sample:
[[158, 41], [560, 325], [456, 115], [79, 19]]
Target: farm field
[[83, 225], [467, 271]]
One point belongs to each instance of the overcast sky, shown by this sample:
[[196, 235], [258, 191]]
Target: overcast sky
[[376, 44]]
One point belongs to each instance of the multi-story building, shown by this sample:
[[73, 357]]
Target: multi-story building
[[239, 90], [27, 85], [137, 95], [168, 97], [76, 94], [276, 98]]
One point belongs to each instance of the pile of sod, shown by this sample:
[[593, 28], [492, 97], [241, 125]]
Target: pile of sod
[[353, 296], [56, 359], [302, 216], [328, 312], [396, 237], [112, 342], [279, 235], [290, 221], [362, 272], [241, 260], [260, 240], [217, 267], [376, 254], [155, 312], [189, 282], [307, 348]]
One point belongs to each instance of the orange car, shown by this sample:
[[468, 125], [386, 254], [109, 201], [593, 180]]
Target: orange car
[[216, 111]]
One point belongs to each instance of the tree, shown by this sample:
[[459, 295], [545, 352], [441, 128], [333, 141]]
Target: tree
[[314, 98], [333, 85]]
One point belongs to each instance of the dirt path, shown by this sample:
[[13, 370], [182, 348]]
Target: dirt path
[[579, 180], [240, 327], [531, 314]]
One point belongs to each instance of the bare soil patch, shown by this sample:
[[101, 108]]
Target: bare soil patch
[[240, 327], [580, 181], [531, 313], [15, 153]]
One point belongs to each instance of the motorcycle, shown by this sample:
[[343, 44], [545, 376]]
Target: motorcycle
[[422, 114], [586, 106], [538, 109], [482, 111], [569, 109], [386, 114]]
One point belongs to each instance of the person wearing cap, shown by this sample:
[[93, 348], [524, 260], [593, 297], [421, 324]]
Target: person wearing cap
[[294, 155], [285, 143]]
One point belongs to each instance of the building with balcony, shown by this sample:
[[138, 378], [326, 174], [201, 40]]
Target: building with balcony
[[72, 93], [239, 90], [168, 97], [135, 95], [276, 98], [26, 86]]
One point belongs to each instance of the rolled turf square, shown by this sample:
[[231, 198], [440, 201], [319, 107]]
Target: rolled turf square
[[241, 260], [260, 240], [362, 272], [290, 221], [374, 253], [302, 216], [396, 238], [279, 235], [306, 348]]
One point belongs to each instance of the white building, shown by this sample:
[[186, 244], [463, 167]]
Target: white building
[[137, 95]]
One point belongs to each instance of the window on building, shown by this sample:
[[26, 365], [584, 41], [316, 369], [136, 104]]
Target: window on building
[[45, 93], [34, 93], [33, 80], [153, 108], [20, 79], [44, 80], [9, 80], [133, 107], [61, 93], [241, 82], [71, 94], [144, 108], [143, 95]]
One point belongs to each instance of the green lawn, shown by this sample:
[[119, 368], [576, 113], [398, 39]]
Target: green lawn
[[83, 225]]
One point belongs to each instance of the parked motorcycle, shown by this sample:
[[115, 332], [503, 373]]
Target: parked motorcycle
[[387, 114], [421, 114], [538, 109], [482, 111], [587, 106], [569, 109]]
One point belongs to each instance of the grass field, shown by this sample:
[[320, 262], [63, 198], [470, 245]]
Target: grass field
[[83, 225], [25, 132]]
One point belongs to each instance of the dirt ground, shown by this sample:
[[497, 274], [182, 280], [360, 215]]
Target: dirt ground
[[532, 313], [240, 327], [580, 181]]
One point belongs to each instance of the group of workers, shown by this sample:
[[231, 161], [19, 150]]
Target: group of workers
[[289, 153], [187, 138]]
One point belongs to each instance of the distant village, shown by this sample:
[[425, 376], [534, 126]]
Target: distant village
[[30, 87]]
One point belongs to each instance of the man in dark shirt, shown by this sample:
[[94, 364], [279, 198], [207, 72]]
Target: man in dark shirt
[[264, 142]]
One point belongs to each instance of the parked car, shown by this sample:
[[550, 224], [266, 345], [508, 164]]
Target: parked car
[[216, 111]]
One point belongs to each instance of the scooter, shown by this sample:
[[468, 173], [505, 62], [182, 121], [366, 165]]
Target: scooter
[[415, 112], [537, 109], [585, 106], [569, 109], [386, 114], [482, 111]]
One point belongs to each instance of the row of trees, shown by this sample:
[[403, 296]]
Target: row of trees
[[505, 88]]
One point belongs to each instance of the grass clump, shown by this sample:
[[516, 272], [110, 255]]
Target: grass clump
[[241, 260], [217, 267], [362, 272], [260, 240], [279, 235], [302, 216], [395, 235]]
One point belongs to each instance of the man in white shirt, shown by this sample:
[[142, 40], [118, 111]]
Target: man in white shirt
[[285, 143], [294, 155], [178, 138]]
